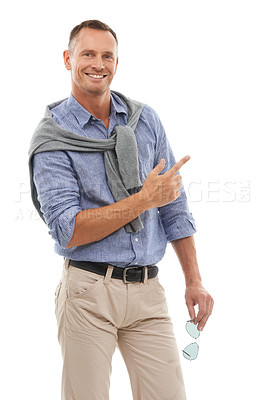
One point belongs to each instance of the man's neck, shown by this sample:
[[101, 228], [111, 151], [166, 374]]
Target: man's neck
[[99, 106]]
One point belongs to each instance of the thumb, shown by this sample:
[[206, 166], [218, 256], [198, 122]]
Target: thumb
[[159, 167]]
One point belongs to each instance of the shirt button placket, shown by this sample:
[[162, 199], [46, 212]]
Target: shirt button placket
[[136, 240]]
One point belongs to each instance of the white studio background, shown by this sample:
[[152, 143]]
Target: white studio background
[[201, 65]]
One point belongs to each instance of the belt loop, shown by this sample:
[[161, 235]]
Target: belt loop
[[66, 263], [108, 274], [145, 275]]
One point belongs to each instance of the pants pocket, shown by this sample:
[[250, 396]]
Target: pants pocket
[[80, 282], [155, 282], [57, 290]]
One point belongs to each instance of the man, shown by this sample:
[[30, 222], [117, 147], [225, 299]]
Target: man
[[112, 232]]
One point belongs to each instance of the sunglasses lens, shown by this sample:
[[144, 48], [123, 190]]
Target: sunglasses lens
[[191, 351], [192, 329]]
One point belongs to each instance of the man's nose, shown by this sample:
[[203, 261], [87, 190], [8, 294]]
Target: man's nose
[[98, 63]]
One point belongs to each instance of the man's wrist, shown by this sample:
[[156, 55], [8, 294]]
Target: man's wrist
[[193, 281], [142, 203]]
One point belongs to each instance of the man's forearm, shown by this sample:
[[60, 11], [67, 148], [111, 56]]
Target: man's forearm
[[195, 293], [186, 252], [158, 190], [95, 224]]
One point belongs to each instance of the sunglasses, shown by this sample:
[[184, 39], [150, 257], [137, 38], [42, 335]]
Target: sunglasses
[[191, 351]]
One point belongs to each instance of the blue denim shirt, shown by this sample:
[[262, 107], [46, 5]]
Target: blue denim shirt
[[68, 182]]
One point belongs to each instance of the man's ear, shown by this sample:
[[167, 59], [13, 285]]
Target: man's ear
[[116, 64], [67, 58]]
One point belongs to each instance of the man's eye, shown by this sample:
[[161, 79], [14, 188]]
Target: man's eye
[[88, 54]]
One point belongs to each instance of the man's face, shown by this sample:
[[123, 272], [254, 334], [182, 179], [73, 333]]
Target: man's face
[[92, 61]]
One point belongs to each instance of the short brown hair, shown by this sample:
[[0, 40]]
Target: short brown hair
[[93, 24]]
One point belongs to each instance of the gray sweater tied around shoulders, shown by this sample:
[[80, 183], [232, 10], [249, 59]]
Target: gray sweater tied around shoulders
[[120, 153]]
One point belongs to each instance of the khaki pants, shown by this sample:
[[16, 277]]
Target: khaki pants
[[95, 314]]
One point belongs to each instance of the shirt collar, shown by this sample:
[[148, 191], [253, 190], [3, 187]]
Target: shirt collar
[[83, 116], [118, 105]]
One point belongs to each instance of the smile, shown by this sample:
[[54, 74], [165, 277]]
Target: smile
[[96, 76]]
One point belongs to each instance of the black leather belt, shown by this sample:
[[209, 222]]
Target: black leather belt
[[127, 274]]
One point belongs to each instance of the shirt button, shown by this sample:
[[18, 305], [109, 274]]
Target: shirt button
[[136, 263], [136, 239]]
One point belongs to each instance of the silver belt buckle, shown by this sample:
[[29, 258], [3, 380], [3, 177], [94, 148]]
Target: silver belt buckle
[[125, 274]]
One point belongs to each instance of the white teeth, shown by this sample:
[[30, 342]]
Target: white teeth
[[96, 76]]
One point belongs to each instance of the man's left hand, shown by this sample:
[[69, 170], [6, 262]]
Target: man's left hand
[[196, 294]]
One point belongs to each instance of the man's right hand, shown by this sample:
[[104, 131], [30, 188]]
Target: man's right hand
[[159, 190]]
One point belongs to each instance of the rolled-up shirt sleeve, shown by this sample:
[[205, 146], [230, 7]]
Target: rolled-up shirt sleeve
[[177, 220], [58, 193]]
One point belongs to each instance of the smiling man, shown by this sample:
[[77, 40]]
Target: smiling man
[[105, 181], [92, 59]]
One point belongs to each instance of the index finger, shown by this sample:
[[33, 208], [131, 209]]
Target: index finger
[[177, 166]]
